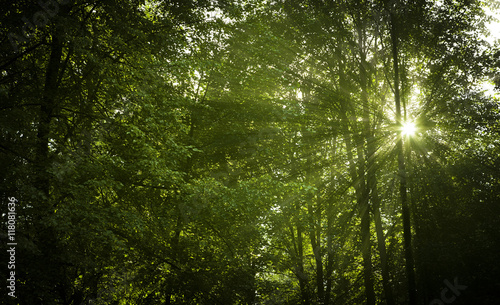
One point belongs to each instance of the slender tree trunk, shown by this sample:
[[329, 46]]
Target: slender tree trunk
[[316, 216], [362, 172], [386, 283], [303, 276], [298, 244], [329, 240], [371, 169], [410, 271], [330, 255], [314, 236], [358, 178], [364, 211], [48, 105]]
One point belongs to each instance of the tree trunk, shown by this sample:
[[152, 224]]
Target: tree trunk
[[316, 215], [371, 170], [314, 236], [329, 241], [389, 296], [298, 244], [359, 184], [358, 178], [48, 105], [402, 171], [362, 173]]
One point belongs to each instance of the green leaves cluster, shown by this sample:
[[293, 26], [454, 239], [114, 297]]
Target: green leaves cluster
[[211, 152]]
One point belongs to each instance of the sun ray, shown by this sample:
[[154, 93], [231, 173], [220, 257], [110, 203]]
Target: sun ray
[[408, 129]]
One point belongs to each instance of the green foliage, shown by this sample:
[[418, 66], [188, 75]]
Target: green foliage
[[211, 152]]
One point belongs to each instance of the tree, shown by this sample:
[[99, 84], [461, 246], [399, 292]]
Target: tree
[[210, 152]]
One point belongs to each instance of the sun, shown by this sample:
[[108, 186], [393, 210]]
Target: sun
[[408, 129]]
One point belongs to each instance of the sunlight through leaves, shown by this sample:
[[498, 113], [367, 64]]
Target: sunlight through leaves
[[408, 129]]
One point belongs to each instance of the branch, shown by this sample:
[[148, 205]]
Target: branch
[[15, 153]]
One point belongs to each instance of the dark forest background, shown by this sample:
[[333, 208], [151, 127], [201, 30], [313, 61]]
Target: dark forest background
[[250, 152]]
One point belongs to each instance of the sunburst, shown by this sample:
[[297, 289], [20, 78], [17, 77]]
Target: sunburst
[[408, 129]]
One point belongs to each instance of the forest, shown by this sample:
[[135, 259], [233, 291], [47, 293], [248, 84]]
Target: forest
[[206, 152]]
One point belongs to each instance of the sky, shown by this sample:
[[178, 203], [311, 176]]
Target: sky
[[494, 26]]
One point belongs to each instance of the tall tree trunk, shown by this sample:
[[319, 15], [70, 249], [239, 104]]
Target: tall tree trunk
[[371, 168], [314, 236], [372, 181], [48, 105], [315, 214], [364, 211], [303, 276], [410, 271], [358, 178], [330, 254], [329, 240], [298, 255], [362, 171]]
